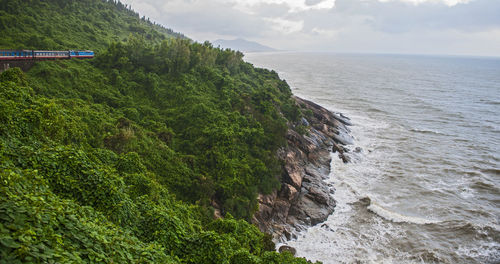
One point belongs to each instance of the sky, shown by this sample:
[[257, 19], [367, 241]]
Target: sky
[[448, 27]]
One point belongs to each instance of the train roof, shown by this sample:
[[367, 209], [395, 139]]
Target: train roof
[[14, 50]]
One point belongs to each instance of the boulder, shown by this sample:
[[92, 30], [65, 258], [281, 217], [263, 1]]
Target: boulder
[[289, 192], [290, 249]]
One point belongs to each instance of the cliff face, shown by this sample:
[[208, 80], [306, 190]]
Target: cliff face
[[305, 198]]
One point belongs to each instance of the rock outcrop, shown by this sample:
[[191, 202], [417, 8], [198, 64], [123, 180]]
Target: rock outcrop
[[305, 198]]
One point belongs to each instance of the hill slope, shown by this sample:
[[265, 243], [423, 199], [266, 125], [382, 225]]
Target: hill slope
[[242, 45], [122, 158], [84, 24]]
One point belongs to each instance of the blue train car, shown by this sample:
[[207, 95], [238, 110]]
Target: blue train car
[[16, 54], [81, 54]]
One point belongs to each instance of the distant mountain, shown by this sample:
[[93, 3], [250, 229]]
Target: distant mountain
[[242, 45]]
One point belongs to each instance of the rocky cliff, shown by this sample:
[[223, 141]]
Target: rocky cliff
[[305, 198]]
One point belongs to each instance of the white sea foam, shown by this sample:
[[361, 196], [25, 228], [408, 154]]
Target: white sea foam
[[397, 217]]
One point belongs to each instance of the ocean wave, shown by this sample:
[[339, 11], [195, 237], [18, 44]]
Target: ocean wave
[[489, 102], [392, 216], [485, 186], [491, 171], [427, 131], [376, 110], [462, 227]]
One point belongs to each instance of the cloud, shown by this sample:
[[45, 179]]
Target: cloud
[[446, 2], [293, 5], [339, 25], [403, 16], [286, 26]]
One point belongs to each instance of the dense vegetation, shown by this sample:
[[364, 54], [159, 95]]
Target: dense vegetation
[[72, 24], [121, 158]]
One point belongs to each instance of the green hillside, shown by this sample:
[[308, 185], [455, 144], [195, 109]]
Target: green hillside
[[120, 159], [72, 24]]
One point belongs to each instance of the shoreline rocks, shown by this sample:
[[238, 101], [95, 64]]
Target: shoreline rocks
[[305, 198]]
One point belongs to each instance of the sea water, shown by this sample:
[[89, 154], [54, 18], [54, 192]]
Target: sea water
[[426, 186]]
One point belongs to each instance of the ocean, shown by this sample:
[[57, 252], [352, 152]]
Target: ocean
[[425, 187]]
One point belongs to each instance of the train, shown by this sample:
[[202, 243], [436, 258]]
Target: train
[[44, 54]]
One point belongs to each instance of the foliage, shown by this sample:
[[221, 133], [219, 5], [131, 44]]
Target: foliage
[[38, 226], [71, 24], [121, 158]]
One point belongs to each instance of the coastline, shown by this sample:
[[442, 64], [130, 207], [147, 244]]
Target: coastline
[[305, 199]]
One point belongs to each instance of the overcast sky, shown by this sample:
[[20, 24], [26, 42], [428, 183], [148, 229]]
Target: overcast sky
[[463, 27]]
